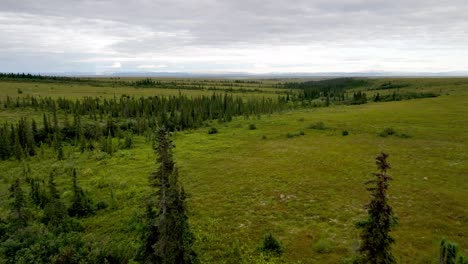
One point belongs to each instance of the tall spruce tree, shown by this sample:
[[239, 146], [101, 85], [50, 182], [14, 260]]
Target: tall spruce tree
[[38, 194], [168, 239], [450, 253], [376, 240], [18, 204], [55, 211], [82, 205]]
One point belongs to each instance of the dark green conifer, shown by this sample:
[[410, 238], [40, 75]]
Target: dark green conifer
[[375, 235], [46, 124], [18, 204], [450, 254], [168, 238], [81, 206], [55, 211], [56, 124], [38, 195], [17, 148]]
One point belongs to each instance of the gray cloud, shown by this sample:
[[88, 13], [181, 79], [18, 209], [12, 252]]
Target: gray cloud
[[308, 35]]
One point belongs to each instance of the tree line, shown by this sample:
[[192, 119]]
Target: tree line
[[37, 77], [187, 84], [99, 120], [183, 111], [345, 91]]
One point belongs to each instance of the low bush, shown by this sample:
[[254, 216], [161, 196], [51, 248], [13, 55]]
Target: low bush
[[212, 130], [403, 135], [387, 132], [392, 132], [318, 126], [295, 134], [270, 245], [101, 205], [322, 246]]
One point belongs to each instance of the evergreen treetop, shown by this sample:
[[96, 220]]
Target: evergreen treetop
[[375, 236]]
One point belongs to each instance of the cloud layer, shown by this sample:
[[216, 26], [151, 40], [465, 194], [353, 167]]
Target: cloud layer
[[218, 36]]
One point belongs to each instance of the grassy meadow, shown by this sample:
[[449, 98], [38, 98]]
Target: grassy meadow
[[286, 177], [110, 87]]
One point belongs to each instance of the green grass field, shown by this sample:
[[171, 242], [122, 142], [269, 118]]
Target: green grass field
[[109, 88], [307, 190]]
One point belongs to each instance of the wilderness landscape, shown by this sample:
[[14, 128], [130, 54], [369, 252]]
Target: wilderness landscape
[[233, 132], [273, 170]]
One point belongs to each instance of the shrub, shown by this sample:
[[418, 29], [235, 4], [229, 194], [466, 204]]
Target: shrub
[[101, 205], [387, 132], [264, 137], [128, 142], [234, 255], [318, 126], [212, 130], [252, 127], [403, 135], [271, 245], [295, 134], [322, 246], [450, 254], [392, 132], [99, 155], [345, 133]]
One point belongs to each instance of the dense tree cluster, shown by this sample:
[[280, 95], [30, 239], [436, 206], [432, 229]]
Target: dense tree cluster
[[334, 89], [175, 112], [98, 120], [359, 98], [399, 96], [41, 228], [28, 76]]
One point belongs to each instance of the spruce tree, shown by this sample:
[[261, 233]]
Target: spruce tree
[[55, 211], [45, 124], [81, 206], [450, 254], [55, 120], [376, 240], [168, 239], [37, 194], [58, 145], [30, 142], [18, 149], [18, 204]]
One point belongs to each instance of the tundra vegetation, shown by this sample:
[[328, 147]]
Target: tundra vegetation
[[247, 171]]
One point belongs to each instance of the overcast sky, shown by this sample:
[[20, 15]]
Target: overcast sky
[[256, 36]]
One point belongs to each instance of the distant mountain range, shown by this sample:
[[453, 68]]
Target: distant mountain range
[[261, 75]]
